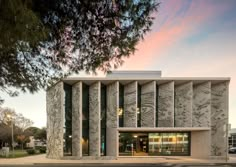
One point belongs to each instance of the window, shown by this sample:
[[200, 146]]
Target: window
[[67, 141], [121, 105], [103, 120], [85, 120]]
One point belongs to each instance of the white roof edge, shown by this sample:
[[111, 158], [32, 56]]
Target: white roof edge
[[161, 78]]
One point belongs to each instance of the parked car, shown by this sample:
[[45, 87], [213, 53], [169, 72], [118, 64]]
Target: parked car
[[232, 150]]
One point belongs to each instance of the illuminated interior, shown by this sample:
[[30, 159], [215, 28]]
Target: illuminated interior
[[154, 144]]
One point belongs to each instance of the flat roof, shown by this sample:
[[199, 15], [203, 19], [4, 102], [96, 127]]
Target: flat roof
[[134, 74], [161, 80]]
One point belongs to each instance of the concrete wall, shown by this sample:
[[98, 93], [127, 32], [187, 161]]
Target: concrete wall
[[148, 104], [112, 116], [166, 105], [202, 105], [219, 118], [77, 119], [94, 119], [200, 144], [183, 105], [130, 104], [55, 121]]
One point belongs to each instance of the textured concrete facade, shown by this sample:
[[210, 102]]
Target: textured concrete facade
[[219, 118], [148, 104], [195, 106], [202, 105], [183, 105], [166, 105], [76, 119], [130, 104], [111, 126], [55, 121], [94, 119]]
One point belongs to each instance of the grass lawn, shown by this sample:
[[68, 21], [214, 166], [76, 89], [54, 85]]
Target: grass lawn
[[19, 153]]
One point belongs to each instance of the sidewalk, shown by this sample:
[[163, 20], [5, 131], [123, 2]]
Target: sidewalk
[[41, 159]]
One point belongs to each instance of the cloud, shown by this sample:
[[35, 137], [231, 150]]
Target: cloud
[[175, 21]]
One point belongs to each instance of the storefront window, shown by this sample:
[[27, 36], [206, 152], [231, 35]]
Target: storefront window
[[148, 144], [169, 144]]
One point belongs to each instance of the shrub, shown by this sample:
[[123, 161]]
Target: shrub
[[31, 151], [42, 149]]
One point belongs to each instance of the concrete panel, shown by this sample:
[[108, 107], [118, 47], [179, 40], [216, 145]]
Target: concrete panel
[[148, 104], [183, 105], [55, 121], [201, 116], [166, 105], [130, 104], [200, 144], [112, 116], [219, 118], [77, 119], [94, 119]]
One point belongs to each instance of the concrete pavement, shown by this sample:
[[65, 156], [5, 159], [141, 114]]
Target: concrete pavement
[[41, 159]]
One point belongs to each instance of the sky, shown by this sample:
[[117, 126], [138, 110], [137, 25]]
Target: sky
[[188, 39]]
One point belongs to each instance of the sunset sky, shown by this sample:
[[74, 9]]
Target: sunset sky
[[188, 39]]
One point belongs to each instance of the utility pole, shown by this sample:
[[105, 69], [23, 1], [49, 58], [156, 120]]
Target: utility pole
[[12, 134]]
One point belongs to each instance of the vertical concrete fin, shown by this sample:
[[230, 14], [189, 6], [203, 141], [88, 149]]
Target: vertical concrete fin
[[55, 121], [94, 119], [219, 118], [166, 105], [77, 119], [201, 116], [148, 107], [130, 104], [111, 125], [183, 105]]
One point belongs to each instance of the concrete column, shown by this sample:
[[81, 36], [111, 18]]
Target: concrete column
[[219, 118], [77, 119], [148, 104], [201, 116], [130, 104], [183, 105], [166, 105], [112, 116], [94, 119], [55, 121]]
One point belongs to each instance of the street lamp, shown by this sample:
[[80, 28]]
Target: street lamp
[[12, 134]]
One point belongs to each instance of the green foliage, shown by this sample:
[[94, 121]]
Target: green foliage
[[38, 133], [42, 149], [20, 124], [31, 151], [42, 41]]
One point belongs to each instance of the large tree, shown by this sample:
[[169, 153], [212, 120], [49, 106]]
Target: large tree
[[43, 40]]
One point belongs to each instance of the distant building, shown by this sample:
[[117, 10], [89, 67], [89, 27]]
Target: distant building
[[232, 138], [35, 142], [137, 113]]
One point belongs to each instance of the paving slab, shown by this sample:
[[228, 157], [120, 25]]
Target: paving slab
[[41, 159]]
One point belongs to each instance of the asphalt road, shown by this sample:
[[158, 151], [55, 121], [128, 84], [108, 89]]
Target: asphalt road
[[122, 165]]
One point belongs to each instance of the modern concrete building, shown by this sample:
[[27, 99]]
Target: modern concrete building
[[137, 113]]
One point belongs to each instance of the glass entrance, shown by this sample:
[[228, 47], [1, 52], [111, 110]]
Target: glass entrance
[[154, 144]]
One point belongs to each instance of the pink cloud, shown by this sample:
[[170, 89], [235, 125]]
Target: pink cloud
[[172, 31]]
